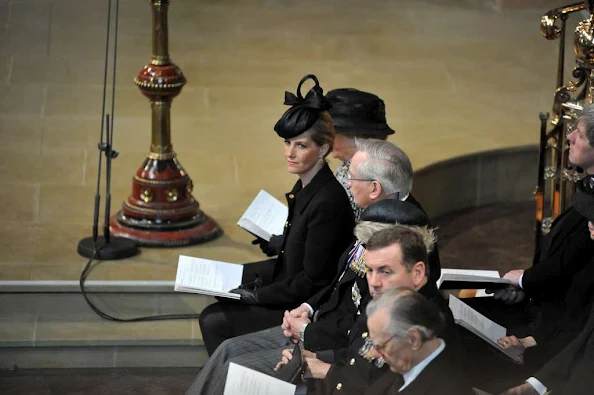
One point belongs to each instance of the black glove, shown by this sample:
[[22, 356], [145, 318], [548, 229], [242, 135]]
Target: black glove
[[252, 285], [247, 296], [270, 248]]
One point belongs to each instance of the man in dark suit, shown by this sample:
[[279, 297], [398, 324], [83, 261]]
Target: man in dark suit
[[325, 320], [569, 372], [404, 328], [567, 247], [395, 257]]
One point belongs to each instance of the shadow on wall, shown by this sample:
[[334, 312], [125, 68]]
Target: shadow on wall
[[505, 175]]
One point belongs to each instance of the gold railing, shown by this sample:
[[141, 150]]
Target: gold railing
[[556, 176]]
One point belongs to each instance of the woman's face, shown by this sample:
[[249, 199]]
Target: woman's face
[[301, 154], [591, 229]]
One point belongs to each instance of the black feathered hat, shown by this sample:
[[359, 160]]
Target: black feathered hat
[[583, 199], [357, 113], [391, 211], [304, 111]]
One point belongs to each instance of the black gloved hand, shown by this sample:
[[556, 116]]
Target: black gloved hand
[[252, 285], [247, 296], [270, 248]]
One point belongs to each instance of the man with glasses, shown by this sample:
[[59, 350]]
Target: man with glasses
[[405, 329], [380, 170], [394, 257]]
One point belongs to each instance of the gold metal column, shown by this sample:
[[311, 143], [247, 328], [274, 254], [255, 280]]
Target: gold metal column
[[161, 210], [557, 176]]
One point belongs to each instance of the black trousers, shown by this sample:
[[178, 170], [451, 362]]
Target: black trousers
[[227, 318]]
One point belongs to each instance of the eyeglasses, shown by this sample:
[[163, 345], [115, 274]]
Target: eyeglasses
[[350, 177], [380, 347]]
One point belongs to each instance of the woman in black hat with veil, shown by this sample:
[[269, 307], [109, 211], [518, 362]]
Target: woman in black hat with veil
[[318, 229]]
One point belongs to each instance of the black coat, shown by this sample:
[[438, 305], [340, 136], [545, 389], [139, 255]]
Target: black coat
[[558, 282], [433, 259], [562, 322], [335, 310], [443, 376], [353, 374], [319, 227], [572, 370], [561, 254]]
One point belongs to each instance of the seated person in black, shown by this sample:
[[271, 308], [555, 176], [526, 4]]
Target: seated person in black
[[561, 322], [567, 248], [394, 257], [571, 372], [318, 228], [404, 328]]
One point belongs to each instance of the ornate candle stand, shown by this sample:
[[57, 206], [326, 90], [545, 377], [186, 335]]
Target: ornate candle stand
[[161, 211]]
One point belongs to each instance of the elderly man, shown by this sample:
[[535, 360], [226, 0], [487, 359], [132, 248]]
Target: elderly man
[[381, 170], [395, 257], [404, 328], [356, 115], [325, 320]]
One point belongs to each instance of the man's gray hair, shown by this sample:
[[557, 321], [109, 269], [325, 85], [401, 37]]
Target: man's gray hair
[[586, 116], [407, 310], [387, 164]]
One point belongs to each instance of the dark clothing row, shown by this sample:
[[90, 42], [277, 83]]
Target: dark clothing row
[[352, 373], [318, 228]]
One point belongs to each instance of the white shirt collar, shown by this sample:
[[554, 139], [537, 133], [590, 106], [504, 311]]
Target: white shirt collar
[[412, 374]]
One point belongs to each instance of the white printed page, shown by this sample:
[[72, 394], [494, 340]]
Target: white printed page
[[462, 312], [472, 272], [265, 216], [244, 381], [203, 274], [472, 277]]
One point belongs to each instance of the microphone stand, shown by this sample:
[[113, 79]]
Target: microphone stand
[[106, 247]]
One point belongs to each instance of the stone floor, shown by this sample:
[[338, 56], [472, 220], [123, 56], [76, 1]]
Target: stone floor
[[457, 76], [499, 236]]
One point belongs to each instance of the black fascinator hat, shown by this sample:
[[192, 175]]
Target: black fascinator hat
[[304, 111], [583, 199]]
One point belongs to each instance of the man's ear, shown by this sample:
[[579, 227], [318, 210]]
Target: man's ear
[[415, 339], [419, 272], [377, 191]]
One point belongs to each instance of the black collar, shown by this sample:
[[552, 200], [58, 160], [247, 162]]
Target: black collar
[[323, 176]]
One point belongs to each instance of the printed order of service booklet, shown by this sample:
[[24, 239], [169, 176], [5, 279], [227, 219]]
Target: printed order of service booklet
[[204, 276]]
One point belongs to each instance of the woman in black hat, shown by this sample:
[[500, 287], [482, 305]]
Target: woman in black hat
[[318, 229], [355, 114]]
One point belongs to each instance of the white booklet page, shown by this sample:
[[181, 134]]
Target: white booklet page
[[265, 216], [481, 326], [244, 381], [207, 277]]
